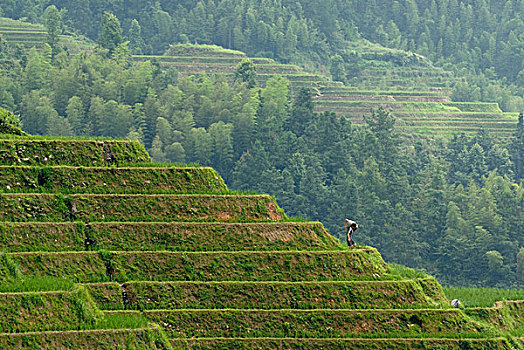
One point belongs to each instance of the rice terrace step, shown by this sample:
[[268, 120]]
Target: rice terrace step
[[39, 207], [164, 236], [340, 344], [102, 249], [146, 180], [149, 295], [104, 266]]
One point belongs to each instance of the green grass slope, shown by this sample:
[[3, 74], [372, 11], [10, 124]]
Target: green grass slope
[[46, 152], [151, 180], [113, 252]]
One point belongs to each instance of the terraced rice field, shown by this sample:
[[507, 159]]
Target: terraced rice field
[[124, 256], [418, 96], [412, 93], [30, 35]]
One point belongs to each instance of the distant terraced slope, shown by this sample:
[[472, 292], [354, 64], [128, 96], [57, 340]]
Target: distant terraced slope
[[103, 250], [417, 94], [30, 35]]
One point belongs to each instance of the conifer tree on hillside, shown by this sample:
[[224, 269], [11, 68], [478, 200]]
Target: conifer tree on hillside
[[517, 148], [110, 32], [53, 27], [246, 72], [136, 42]]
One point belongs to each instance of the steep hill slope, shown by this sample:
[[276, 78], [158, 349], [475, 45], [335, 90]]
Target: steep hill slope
[[30, 35], [415, 92], [407, 84], [129, 255]]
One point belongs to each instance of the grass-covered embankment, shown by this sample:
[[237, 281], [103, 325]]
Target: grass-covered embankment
[[149, 338], [507, 316], [146, 180], [422, 323], [75, 267], [265, 295], [164, 236], [47, 311], [104, 266], [340, 344], [212, 236], [41, 151], [132, 208]]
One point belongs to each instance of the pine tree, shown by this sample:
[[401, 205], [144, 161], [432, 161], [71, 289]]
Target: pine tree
[[517, 148], [301, 112], [175, 152], [136, 42], [110, 33], [337, 68], [53, 27], [156, 151], [58, 126], [75, 115], [221, 136], [520, 266], [246, 72], [199, 146]]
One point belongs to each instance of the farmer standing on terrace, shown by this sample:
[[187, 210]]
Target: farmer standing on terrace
[[351, 227]]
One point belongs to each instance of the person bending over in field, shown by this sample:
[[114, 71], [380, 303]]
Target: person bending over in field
[[351, 227]]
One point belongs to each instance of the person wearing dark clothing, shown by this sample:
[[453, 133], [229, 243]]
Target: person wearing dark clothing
[[351, 227]]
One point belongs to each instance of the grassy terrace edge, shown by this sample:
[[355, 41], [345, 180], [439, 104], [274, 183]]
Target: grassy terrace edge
[[150, 338], [322, 323], [505, 315], [135, 207], [264, 295], [49, 311], [73, 152], [105, 266], [164, 236], [95, 180], [340, 344]]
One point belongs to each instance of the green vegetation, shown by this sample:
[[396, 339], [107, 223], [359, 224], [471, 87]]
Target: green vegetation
[[36, 284], [212, 236], [339, 344], [199, 50], [482, 297], [505, 315], [152, 180], [49, 311], [173, 236], [107, 296], [271, 295], [269, 140], [173, 256], [70, 152], [138, 339], [20, 34], [39, 207], [9, 123], [24, 237], [247, 266], [92, 267], [229, 277], [481, 40], [317, 323], [76, 267]]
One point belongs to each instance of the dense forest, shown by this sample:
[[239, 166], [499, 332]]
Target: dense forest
[[454, 209], [480, 39]]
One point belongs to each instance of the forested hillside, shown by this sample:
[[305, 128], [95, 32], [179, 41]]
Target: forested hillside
[[452, 208], [481, 39]]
